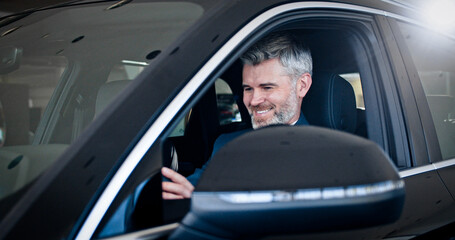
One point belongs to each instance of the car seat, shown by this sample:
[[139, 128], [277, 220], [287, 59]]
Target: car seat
[[330, 102]]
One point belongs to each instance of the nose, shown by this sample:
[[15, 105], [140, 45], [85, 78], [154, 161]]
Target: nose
[[257, 98]]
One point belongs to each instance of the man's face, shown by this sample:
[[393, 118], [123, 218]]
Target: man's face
[[269, 94]]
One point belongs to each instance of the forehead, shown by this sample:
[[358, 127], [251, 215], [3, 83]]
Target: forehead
[[269, 71]]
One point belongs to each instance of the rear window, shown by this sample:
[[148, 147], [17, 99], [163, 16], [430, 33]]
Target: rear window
[[434, 57]]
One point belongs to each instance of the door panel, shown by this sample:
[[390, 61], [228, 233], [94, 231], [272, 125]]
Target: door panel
[[426, 201], [446, 170]]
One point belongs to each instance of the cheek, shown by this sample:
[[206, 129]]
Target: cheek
[[276, 99], [246, 99]]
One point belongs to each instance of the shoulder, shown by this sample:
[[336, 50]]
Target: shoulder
[[302, 120], [232, 135], [227, 137]]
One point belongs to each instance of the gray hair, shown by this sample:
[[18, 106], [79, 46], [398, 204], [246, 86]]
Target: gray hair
[[293, 55]]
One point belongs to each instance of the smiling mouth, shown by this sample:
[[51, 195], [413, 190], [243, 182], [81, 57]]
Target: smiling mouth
[[260, 111], [263, 111]]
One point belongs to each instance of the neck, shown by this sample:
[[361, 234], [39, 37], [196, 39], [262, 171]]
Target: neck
[[294, 119]]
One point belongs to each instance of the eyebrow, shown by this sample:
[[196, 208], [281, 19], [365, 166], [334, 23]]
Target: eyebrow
[[268, 84], [261, 85]]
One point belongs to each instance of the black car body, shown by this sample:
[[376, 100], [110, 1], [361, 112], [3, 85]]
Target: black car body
[[71, 159]]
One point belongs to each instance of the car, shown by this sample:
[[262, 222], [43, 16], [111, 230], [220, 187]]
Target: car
[[97, 96]]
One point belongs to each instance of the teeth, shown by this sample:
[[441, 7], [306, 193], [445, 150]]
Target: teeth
[[261, 112]]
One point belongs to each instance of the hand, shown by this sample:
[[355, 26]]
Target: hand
[[179, 188]]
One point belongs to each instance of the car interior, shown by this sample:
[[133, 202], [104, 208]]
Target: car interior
[[331, 102]]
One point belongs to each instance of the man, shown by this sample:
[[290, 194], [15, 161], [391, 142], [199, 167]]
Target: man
[[276, 76]]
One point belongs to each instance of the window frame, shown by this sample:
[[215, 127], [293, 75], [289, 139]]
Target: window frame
[[378, 72]]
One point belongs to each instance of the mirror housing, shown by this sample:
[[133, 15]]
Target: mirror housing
[[293, 180]]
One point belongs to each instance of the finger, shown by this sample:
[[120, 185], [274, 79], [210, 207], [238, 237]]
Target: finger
[[177, 178], [170, 196], [172, 175], [176, 188]]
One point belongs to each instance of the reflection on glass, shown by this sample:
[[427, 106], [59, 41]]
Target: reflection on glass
[[228, 110], [60, 70], [434, 57]]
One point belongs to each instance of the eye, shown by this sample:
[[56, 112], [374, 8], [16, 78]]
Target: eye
[[247, 89]]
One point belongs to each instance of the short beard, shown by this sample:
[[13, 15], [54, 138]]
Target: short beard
[[286, 113]]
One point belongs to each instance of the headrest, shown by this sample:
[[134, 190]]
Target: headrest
[[330, 102], [107, 92]]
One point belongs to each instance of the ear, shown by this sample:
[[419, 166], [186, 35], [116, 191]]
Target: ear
[[303, 84]]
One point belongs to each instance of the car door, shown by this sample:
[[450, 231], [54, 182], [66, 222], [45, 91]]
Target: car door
[[421, 177], [434, 88], [430, 66]]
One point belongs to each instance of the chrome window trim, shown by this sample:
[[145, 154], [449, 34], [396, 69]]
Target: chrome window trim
[[106, 198], [400, 4], [444, 164], [427, 168], [417, 170]]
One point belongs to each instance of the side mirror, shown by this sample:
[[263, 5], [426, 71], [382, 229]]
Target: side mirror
[[10, 58], [293, 180]]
